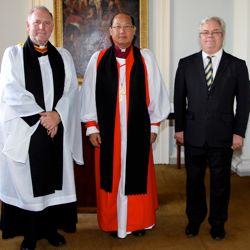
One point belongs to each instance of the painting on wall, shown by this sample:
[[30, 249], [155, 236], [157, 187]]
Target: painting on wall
[[82, 26]]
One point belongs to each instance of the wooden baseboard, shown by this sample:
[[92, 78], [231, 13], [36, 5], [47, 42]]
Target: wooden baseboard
[[86, 210]]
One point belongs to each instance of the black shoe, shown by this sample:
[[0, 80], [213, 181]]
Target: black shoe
[[218, 233], [55, 239], [139, 233], [192, 230], [28, 244], [70, 228], [114, 234]]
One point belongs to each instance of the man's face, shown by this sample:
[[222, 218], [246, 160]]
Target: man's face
[[39, 26], [211, 37], [122, 31]]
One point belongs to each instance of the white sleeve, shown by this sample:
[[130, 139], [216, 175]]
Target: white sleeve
[[17, 100], [88, 109], [68, 108], [159, 106]]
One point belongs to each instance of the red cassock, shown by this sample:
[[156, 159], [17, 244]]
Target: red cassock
[[140, 211]]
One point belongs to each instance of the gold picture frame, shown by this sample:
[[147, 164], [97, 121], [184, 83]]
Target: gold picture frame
[[142, 19]]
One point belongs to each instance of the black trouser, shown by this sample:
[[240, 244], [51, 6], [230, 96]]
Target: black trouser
[[219, 162]]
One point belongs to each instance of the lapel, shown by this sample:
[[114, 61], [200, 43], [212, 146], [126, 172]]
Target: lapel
[[199, 65]]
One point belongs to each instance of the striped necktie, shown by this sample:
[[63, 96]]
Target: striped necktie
[[209, 73]]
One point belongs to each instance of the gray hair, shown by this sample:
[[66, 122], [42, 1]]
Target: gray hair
[[40, 7], [219, 20]]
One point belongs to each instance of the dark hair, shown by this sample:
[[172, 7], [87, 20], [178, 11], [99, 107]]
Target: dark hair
[[132, 21], [124, 13]]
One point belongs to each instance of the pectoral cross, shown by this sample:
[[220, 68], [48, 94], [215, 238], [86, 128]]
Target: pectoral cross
[[122, 93], [122, 87]]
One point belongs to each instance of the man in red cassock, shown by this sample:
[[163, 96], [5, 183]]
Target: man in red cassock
[[124, 101]]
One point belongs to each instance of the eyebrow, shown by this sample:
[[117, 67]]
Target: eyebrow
[[212, 29]]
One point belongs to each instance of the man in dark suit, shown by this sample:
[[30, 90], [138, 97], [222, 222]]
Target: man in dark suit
[[208, 125]]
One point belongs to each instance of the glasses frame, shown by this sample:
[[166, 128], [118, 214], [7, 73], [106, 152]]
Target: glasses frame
[[211, 33], [125, 27]]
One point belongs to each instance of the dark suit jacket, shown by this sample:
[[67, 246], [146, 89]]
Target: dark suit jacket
[[209, 117]]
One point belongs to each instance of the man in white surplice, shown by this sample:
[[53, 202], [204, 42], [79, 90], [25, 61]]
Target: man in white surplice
[[40, 135]]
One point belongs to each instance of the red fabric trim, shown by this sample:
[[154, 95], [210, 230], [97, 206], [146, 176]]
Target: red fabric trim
[[90, 124], [102, 52], [156, 124], [41, 50], [129, 64]]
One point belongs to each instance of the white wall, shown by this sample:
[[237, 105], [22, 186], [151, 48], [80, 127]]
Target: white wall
[[185, 19], [241, 25], [12, 19]]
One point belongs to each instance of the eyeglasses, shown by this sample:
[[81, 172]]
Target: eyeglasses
[[125, 27], [212, 33]]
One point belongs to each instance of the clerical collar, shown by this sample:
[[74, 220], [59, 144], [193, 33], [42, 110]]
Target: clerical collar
[[122, 53], [42, 50]]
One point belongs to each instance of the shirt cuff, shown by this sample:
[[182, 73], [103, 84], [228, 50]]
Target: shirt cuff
[[91, 130], [154, 129]]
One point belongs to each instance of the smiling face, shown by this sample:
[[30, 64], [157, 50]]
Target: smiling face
[[122, 31], [39, 26], [211, 37]]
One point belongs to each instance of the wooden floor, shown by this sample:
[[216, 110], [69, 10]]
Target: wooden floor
[[171, 221]]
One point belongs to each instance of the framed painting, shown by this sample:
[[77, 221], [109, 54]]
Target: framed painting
[[82, 26]]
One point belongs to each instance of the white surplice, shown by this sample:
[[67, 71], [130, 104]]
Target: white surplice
[[16, 102]]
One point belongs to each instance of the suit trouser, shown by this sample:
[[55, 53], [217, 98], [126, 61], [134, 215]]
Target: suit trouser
[[219, 162]]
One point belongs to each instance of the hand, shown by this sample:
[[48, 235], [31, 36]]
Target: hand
[[237, 142], [50, 120], [52, 132], [95, 139], [179, 136], [153, 137]]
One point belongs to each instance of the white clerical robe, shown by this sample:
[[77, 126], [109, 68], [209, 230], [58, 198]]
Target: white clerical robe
[[16, 102], [159, 108]]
